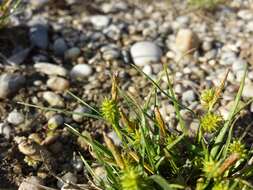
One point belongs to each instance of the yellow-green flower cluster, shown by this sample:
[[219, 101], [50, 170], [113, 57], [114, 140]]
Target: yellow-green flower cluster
[[132, 179], [210, 168], [110, 111], [221, 186], [210, 122], [238, 147], [207, 97]]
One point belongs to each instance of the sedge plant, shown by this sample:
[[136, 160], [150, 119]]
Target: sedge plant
[[150, 156]]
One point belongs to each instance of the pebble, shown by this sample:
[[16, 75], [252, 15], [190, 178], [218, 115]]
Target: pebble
[[53, 99], [10, 84], [77, 163], [30, 183], [147, 69], [58, 83], [186, 40], [80, 109], [116, 140], [188, 96], [100, 21], [39, 36], [15, 117], [50, 69], [38, 3], [72, 53], [81, 71], [145, 52], [18, 57], [60, 46], [247, 90], [239, 65], [55, 121], [69, 178], [5, 130]]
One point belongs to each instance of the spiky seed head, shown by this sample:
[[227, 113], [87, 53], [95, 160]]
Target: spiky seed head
[[207, 97], [210, 168], [31, 162], [110, 111], [132, 179], [238, 147], [210, 122]]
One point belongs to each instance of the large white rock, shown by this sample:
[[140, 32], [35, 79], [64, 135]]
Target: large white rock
[[145, 52]]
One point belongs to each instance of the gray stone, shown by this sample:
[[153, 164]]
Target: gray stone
[[60, 47], [39, 36], [15, 117], [80, 71], [72, 53], [116, 140], [145, 52], [31, 183], [10, 84], [19, 57], [58, 83], [50, 69], [53, 99], [239, 65], [247, 91], [38, 3], [69, 178], [188, 96], [5, 130], [80, 109]]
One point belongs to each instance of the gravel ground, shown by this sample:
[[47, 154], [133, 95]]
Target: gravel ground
[[54, 46]]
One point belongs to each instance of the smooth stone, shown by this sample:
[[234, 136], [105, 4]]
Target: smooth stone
[[111, 54], [58, 83], [147, 69], [69, 178], [72, 53], [15, 117], [116, 140], [100, 21], [30, 183], [239, 65], [39, 36], [228, 58], [60, 47], [38, 3], [145, 52], [5, 130], [19, 57], [80, 109], [81, 71], [10, 84], [56, 121], [245, 14], [53, 99], [186, 40], [247, 90], [188, 96], [50, 69]]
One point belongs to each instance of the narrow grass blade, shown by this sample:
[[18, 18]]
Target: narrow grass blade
[[178, 139], [162, 91], [220, 138], [61, 111], [164, 184]]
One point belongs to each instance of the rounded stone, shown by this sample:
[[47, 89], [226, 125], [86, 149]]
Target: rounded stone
[[100, 21], [50, 69], [58, 83], [55, 121], [69, 178], [80, 71], [145, 52], [80, 109], [72, 53], [15, 117], [60, 46], [186, 40], [53, 99], [5, 130], [188, 96]]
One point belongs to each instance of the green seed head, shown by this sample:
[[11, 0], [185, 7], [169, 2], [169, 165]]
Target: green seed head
[[238, 147], [210, 168], [110, 111], [210, 122], [132, 179], [207, 97]]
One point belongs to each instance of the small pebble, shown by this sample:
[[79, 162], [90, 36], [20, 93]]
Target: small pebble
[[29, 183], [5, 130], [69, 178], [186, 40], [60, 46], [15, 117], [58, 83], [72, 53], [81, 71], [50, 69], [53, 99]]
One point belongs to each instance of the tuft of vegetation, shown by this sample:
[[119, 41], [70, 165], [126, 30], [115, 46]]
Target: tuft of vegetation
[[7, 7], [150, 156]]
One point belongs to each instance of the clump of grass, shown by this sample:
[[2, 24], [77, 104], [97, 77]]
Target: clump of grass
[[7, 7], [152, 157]]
